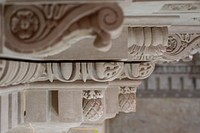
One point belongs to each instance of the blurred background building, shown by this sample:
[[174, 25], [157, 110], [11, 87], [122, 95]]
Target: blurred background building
[[167, 102]]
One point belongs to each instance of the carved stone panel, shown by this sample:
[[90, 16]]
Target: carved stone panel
[[127, 99], [92, 105]]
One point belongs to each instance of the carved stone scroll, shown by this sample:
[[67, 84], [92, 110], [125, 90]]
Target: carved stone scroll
[[147, 43], [182, 46], [47, 29], [92, 105]]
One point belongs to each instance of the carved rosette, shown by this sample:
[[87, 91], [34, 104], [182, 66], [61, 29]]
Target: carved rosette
[[127, 99], [182, 46], [92, 105], [48, 29], [147, 43]]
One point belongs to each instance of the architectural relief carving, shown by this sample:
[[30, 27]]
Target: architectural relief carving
[[147, 43], [92, 105], [107, 71], [48, 29], [14, 72], [137, 70], [181, 7], [182, 45], [79, 92], [127, 99]]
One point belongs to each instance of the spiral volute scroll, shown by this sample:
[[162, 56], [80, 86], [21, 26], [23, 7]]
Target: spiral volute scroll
[[108, 20], [48, 29]]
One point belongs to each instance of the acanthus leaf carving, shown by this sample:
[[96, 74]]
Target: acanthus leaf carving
[[147, 43], [52, 28]]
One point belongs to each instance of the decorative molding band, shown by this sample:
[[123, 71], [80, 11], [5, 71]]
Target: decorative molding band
[[92, 105], [155, 44], [181, 7], [14, 72], [48, 29]]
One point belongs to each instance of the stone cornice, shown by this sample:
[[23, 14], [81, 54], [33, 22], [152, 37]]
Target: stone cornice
[[13, 72]]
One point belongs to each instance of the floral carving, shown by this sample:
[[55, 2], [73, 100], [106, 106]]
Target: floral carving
[[172, 44], [147, 43], [105, 71], [51, 28], [181, 46], [138, 70], [92, 94], [24, 24], [126, 89], [181, 7], [15, 72]]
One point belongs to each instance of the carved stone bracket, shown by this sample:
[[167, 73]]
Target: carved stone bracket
[[92, 105], [127, 99], [47, 29], [155, 44], [147, 43]]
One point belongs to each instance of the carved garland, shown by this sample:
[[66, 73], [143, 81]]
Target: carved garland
[[52, 28], [147, 43]]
